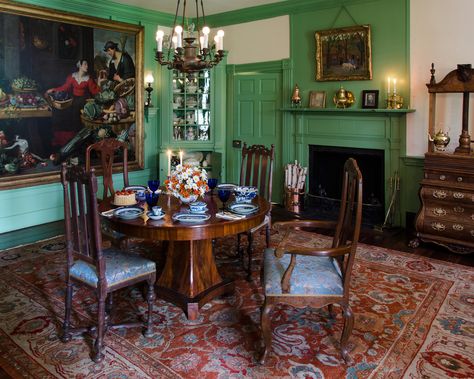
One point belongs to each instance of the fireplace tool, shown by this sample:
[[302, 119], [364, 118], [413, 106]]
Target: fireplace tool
[[389, 216]]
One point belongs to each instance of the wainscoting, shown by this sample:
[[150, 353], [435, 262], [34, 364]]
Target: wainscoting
[[359, 128]]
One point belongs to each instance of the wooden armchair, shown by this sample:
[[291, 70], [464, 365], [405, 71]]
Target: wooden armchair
[[315, 276], [106, 150], [257, 170], [88, 264]]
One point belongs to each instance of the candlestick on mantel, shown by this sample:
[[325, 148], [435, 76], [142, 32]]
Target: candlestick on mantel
[[169, 162], [388, 85], [394, 86]]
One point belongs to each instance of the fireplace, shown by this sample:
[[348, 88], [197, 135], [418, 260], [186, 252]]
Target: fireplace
[[325, 181]]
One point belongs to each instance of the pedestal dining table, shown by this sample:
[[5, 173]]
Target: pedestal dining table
[[190, 277]]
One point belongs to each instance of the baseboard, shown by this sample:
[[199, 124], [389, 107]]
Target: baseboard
[[30, 235]]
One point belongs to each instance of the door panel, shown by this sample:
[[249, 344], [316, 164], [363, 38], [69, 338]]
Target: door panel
[[257, 120]]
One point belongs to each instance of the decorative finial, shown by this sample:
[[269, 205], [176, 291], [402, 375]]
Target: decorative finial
[[432, 80]]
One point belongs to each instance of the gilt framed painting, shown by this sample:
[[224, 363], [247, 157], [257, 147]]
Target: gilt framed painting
[[344, 54], [66, 81]]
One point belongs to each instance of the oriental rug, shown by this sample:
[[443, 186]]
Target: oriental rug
[[414, 318]]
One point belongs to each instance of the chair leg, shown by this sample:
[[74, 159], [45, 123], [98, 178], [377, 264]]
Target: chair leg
[[66, 335], [99, 342], [267, 235], [346, 332], [150, 297], [249, 253], [265, 323]]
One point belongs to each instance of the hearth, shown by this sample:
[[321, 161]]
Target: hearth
[[325, 181]]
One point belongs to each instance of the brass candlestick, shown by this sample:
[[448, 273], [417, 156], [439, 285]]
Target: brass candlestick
[[394, 101]]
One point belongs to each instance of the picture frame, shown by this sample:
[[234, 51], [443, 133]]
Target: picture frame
[[344, 54], [317, 99], [39, 130], [370, 99]]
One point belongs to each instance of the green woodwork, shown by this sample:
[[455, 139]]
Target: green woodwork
[[216, 143]]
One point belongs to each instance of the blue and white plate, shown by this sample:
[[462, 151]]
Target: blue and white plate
[[129, 213], [243, 208], [191, 218], [155, 217]]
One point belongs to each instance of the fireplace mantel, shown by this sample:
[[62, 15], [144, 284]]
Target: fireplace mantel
[[383, 129]]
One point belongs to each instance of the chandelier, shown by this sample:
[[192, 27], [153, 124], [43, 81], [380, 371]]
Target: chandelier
[[196, 55]]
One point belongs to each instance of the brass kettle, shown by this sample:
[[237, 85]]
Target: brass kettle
[[440, 140], [343, 98]]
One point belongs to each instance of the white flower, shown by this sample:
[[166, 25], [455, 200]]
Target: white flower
[[196, 178]]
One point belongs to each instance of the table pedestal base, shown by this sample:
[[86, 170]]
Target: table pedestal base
[[190, 278]]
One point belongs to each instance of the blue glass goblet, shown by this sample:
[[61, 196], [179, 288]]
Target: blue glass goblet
[[151, 199], [153, 185], [224, 195], [212, 183]]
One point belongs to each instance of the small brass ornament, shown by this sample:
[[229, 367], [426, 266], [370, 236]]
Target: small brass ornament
[[295, 97], [343, 98], [440, 140]]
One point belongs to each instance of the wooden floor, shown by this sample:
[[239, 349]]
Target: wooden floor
[[396, 238]]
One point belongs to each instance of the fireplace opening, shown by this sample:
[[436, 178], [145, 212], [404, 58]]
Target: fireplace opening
[[326, 164]]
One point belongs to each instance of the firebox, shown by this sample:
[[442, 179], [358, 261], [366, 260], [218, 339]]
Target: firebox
[[325, 181]]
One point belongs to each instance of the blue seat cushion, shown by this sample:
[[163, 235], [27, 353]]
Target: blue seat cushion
[[317, 276], [119, 267]]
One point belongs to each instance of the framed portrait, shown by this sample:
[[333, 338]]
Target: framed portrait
[[317, 99], [344, 54], [66, 81], [370, 99]]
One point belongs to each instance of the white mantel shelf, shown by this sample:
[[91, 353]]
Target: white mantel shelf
[[348, 110]]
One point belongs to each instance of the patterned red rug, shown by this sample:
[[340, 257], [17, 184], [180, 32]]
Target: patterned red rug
[[414, 319]]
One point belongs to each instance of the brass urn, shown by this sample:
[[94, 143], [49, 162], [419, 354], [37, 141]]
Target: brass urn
[[343, 98], [440, 140]]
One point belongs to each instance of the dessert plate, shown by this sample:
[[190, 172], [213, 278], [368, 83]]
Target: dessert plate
[[191, 218], [129, 213], [243, 208], [155, 217]]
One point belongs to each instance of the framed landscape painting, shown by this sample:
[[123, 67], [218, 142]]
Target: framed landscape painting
[[344, 54], [66, 81]]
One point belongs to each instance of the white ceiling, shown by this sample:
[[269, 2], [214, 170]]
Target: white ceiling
[[210, 6]]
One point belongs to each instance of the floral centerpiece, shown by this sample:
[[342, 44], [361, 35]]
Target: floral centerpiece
[[187, 182]]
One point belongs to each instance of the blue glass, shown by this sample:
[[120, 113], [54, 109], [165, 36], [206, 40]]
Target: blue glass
[[224, 195], [212, 183], [153, 185], [151, 199]]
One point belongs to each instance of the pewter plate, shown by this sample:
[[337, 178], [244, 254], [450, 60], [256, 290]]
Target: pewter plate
[[191, 218], [129, 213]]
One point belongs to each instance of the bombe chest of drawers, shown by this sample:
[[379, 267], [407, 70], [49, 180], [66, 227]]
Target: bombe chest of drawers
[[446, 215]]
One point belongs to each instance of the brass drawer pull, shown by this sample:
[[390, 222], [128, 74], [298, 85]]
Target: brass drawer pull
[[459, 178], [458, 209], [442, 177], [438, 226], [458, 227], [472, 233], [458, 195], [441, 194], [439, 212]]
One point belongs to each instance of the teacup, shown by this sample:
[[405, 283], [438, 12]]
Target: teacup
[[140, 194], [156, 210]]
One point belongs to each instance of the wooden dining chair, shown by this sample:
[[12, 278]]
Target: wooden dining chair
[[102, 270], [301, 273], [257, 170], [107, 150]]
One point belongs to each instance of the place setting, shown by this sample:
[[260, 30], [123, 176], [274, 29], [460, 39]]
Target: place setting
[[197, 213], [242, 205]]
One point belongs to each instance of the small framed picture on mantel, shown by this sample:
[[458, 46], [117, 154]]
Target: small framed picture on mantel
[[370, 99]]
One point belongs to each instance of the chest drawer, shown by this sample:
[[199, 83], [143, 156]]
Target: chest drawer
[[443, 194], [449, 177]]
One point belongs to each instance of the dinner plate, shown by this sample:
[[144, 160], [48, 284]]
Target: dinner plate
[[155, 217], [243, 208], [191, 218], [128, 213]]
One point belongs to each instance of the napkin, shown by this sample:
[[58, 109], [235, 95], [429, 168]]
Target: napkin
[[229, 216], [109, 213]]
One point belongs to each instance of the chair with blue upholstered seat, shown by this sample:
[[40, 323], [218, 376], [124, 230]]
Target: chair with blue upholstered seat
[[303, 272], [103, 270]]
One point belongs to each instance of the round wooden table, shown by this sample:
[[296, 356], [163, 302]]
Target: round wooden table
[[190, 277]]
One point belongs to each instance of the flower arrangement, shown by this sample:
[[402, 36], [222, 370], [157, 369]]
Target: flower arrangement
[[187, 182]]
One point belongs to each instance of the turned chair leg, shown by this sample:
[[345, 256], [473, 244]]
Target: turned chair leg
[[346, 332], [249, 253], [150, 298], [66, 335], [99, 342], [265, 323]]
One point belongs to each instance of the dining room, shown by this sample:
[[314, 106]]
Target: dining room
[[150, 223]]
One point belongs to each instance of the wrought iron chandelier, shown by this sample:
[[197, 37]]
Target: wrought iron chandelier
[[196, 55]]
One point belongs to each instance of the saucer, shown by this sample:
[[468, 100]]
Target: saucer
[[128, 213], [155, 217]]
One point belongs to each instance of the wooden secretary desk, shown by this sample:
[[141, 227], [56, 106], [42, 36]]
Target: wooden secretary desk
[[446, 216]]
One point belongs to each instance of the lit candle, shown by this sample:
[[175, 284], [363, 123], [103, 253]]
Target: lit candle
[[216, 41], [159, 40], [220, 34], [175, 42], [181, 157], [169, 163], [205, 32], [388, 85], [394, 86], [178, 30]]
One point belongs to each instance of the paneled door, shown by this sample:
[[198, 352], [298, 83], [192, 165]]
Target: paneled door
[[256, 120]]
